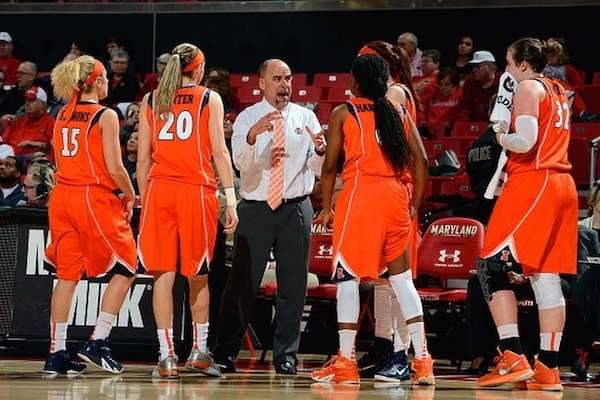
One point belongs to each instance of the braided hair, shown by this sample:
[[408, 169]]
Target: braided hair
[[371, 74]]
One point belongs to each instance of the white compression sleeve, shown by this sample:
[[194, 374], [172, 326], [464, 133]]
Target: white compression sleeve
[[525, 136]]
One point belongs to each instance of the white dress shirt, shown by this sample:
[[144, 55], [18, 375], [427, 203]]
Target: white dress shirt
[[301, 163]]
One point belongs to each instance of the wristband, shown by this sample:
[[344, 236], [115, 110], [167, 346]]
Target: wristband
[[230, 197]]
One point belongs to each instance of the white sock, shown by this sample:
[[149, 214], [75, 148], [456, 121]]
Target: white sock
[[550, 341], [417, 334], [200, 336], [103, 327], [165, 340], [58, 336], [508, 331], [401, 333], [347, 339]]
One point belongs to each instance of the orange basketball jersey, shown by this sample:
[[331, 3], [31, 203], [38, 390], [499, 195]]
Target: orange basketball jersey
[[78, 148], [181, 150]]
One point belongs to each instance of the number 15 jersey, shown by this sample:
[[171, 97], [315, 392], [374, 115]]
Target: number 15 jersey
[[78, 148]]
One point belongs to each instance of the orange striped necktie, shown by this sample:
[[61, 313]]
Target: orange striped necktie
[[274, 197]]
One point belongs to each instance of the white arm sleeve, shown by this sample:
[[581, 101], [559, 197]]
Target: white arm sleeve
[[525, 136]]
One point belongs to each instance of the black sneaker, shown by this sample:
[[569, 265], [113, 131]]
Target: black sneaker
[[587, 116], [98, 353], [226, 364], [60, 363], [375, 359]]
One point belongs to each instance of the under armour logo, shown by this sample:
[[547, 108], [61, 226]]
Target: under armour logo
[[505, 255], [339, 273], [324, 249], [454, 256]]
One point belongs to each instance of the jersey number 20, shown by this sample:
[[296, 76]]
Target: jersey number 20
[[183, 124]]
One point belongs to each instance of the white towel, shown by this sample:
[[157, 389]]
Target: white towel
[[501, 117]]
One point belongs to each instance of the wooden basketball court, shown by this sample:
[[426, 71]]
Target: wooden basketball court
[[23, 379]]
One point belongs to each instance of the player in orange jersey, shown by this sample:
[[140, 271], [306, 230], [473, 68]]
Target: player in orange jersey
[[378, 202], [534, 221], [384, 361], [89, 224], [180, 132]]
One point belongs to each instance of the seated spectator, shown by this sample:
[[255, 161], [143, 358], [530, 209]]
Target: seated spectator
[[430, 62], [218, 71], [8, 63], [80, 47], [114, 43], [221, 85], [10, 182], [33, 131], [130, 158], [38, 184], [409, 42], [132, 118], [123, 87], [560, 69], [440, 103], [479, 88], [151, 81], [13, 99], [37, 156]]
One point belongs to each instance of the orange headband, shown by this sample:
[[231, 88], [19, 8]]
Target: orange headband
[[96, 72], [367, 50], [199, 59]]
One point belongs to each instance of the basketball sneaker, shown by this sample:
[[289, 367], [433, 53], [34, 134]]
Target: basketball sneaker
[[166, 368], [98, 353], [339, 369], [203, 363], [544, 378], [60, 363], [396, 369], [510, 367], [423, 371]]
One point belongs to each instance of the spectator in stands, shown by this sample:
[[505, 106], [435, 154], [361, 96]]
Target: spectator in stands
[[178, 184], [430, 63], [399, 151], [37, 156], [13, 99], [8, 63], [265, 209], [221, 85], [228, 121], [130, 157], [387, 357], [218, 71], [38, 184], [409, 42], [464, 54], [560, 69], [441, 102], [10, 182], [132, 117], [479, 88], [122, 86], [33, 131], [80, 47], [151, 81]]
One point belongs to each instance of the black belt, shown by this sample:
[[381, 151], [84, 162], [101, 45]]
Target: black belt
[[284, 201]]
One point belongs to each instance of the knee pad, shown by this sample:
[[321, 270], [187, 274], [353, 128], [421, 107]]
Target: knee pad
[[348, 301], [492, 277], [547, 291]]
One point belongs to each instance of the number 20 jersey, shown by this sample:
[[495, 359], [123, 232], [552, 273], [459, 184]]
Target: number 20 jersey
[[181, 148]]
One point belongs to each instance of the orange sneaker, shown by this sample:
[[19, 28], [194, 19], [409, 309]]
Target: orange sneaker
[[339, 369], [423, 369], [544, 378], [510, 367]]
